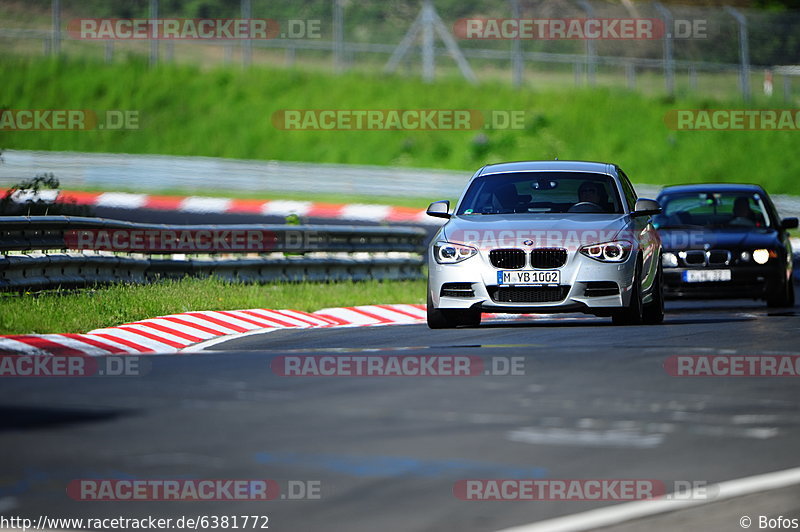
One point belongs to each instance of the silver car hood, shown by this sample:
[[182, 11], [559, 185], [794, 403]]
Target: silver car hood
[[538, 230]]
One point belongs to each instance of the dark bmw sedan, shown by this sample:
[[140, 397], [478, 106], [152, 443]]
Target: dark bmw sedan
[[725, 240]]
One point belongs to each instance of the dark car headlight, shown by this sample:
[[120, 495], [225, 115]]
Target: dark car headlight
[[669, 260], [615, 251], [762, 256], [449, 253]]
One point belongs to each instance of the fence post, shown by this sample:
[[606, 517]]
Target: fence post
[[154, 26], [56, 48], [338, 36], [591, 48], [247, 44], [428, 65], [669, 61], [109, 51], [516, 49], [630, 74], [744, 52]]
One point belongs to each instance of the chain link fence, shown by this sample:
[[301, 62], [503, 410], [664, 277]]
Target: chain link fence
[[715, 51]]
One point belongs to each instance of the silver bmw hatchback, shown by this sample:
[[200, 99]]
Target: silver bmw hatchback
[[546, 237]]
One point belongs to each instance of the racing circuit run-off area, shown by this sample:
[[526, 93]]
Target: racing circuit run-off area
[[413, 266]]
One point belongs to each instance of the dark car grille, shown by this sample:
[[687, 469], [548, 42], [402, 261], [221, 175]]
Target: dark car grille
[[548, 257], [528, 294], [507, 258], [695, 258], [718, 257], [457, 290], [715, 257]]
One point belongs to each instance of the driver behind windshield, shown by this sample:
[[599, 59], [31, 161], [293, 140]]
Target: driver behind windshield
[[743, 215], [593, 192]]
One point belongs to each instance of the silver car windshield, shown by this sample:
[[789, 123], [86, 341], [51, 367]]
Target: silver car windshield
[[541, 192]]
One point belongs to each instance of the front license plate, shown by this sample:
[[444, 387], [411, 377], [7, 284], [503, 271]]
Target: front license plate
[[703, 276], [529, 277]]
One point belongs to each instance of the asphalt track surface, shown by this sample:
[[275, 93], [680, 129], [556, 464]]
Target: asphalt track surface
[[594, 402]]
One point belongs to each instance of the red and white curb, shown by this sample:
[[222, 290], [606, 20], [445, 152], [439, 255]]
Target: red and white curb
[[209, 205], [173, 333], [193, 330]]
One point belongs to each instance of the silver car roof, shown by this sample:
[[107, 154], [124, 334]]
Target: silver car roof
[[548, 166]]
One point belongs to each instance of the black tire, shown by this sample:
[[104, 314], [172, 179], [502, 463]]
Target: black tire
[[783, 297], [450, 319], [632, 314], [653, 312]]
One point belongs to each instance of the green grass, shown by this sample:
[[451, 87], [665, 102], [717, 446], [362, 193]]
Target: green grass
[[76, 312], [226, 112]]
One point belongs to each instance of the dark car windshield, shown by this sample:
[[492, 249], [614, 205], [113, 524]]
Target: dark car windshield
[[541, 192], [724, 210]]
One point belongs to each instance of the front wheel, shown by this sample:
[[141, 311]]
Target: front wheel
[[653, 312], [450, 319], [784, 297], [632, 314]]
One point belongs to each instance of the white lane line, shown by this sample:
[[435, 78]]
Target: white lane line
[[121, 200], [621, 513], [202, 346], [359, 211], [586, 438], [286, 207], [205, 205]]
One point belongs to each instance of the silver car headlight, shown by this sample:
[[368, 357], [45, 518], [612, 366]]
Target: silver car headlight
[[616, 251], [449, 253], [669, 260]]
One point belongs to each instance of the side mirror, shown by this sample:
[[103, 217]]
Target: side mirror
[[439, 209], [789, 223], [646, 207]]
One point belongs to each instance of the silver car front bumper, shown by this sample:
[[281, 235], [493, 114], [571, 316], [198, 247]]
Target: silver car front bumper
[[577, 274]]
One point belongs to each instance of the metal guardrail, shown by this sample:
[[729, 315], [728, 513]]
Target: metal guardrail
[[290, 253], [159, 172]]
